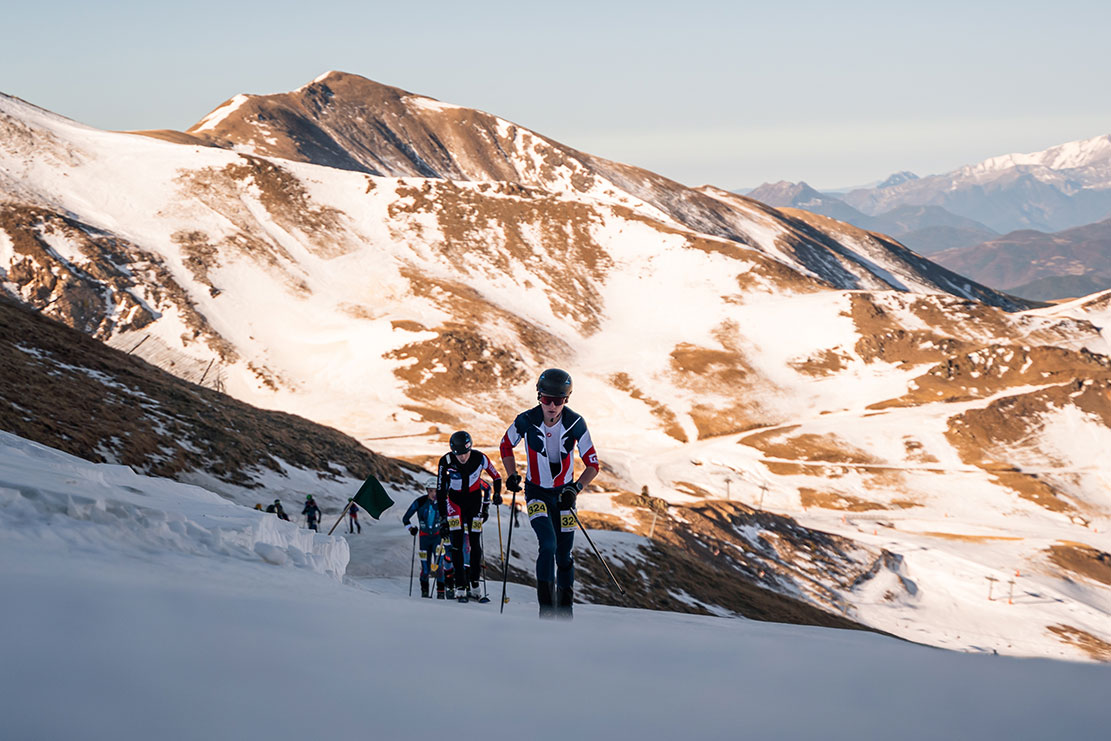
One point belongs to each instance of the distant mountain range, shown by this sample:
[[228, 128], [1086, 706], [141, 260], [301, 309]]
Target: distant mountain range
[[1022, 205], [925, 229], [1039, 266]]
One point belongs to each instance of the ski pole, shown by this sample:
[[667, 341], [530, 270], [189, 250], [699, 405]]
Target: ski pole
[[412, 565], [501, 553], [485, 591], [596, 553], [505, 566]]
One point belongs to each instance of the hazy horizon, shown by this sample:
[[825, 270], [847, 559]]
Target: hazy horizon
[[732, 95]]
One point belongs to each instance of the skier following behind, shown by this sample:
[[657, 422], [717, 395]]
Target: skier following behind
[[464, 507], [428, 530], [551, 432]]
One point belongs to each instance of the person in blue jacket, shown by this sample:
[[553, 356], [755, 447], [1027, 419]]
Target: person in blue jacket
[[428, 518]]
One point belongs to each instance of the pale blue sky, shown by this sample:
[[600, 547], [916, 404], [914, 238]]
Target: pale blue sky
[[734, 94]]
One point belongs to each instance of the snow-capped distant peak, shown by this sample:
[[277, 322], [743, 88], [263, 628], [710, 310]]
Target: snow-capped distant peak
[[1070, 155], [897, 178]]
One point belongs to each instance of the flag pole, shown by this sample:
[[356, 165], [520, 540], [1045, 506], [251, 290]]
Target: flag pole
[[341, 514]]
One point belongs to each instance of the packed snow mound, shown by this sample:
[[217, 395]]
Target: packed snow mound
[[46, 494]]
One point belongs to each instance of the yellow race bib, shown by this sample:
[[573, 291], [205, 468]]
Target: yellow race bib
[[537, 508]]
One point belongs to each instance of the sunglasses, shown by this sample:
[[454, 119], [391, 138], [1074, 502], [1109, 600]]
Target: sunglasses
[[553, 400]]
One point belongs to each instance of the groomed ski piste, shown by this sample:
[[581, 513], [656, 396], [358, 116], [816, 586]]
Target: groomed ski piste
[[142, 608]]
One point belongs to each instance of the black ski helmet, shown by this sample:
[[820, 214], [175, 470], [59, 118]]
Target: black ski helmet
[[554, 382], [460, 442]]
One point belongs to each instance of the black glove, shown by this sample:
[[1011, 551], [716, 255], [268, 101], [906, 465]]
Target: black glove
[[445, 529], [513, 483], [497, 499], [568, 494], [485, 512], [413, 530]]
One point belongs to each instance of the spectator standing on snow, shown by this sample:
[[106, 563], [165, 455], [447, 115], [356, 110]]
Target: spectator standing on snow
[[276, 509], [353, 521], [311, 512]]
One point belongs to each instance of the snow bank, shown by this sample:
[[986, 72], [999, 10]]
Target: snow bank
[[48, 495]]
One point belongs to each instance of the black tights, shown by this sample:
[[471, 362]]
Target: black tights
[[472, 573]]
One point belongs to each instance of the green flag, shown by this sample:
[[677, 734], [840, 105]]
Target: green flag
[[373, 498]]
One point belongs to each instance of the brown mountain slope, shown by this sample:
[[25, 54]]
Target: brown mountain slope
[[64, 389]]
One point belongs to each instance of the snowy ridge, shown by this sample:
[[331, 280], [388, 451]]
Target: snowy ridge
[[1059, 188], [1071, 155], [213, 119]]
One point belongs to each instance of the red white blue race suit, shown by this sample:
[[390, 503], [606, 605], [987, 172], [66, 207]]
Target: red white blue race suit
[[463, 497], [550, 467]]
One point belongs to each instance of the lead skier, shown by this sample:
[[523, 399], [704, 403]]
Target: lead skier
[[551, 431]]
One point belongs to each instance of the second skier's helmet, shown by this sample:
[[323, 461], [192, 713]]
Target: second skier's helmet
[[554, 382], [460, 442]]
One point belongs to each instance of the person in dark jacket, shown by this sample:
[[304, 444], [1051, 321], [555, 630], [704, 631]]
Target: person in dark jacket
[[428, 531], [311, 512], [276, 509]]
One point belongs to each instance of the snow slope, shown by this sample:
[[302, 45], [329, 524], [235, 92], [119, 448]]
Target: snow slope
[[140, 608]]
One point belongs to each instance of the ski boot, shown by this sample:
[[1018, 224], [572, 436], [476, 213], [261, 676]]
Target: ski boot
[[565, 598], [424, 589], [544, 597]]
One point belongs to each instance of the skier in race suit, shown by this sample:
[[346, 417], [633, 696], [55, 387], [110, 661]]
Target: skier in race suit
[[551, 432], [464, 506], [428, 517]]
